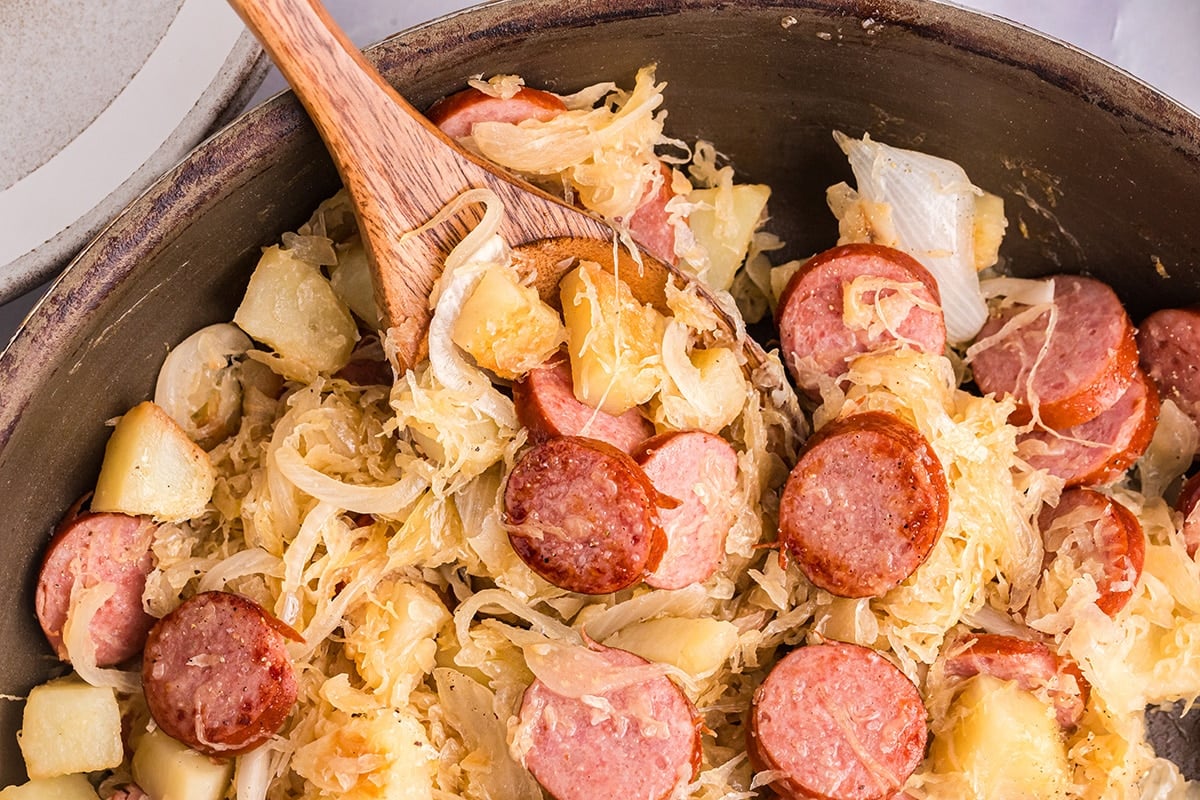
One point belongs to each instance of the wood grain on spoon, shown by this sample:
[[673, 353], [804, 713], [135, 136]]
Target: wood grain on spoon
[[401, 171]]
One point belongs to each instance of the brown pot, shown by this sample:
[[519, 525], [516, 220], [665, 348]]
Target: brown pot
[[1099, 174]]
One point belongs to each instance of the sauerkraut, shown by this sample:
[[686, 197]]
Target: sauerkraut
[[366, 512]]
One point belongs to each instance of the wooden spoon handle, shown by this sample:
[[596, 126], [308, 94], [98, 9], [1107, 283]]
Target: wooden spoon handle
[[372, 133]]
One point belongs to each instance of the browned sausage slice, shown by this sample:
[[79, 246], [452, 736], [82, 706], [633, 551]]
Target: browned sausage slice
[[1032, 665], [814, 336], [583, 515], [838, 721], [547, 407], [1090, 360], [650, 224], [645, 744], [699, 470], [98, 548], [458, 113], [864, 504], [217, 675], [1169, 346], [1099, 535], [1098, 451], [1187, 504]]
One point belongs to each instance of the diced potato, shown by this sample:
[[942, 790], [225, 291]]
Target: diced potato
[[1004, 741], [290, 306], [725, 225], [64, 787], [613, 340], [170, 770], [506, 327], [990, 224], [697, 646], [70, 726], [152, 467]]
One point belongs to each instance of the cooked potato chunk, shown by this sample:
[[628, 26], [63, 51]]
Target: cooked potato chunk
[[724, 226], [290, 306], [1004, 742], [613, 340], [64, 787], [697, 646], [152, 467], [170, 770], [506, 327], [70, 726]]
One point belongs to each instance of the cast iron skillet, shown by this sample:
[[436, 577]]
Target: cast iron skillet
[[1098, 172]]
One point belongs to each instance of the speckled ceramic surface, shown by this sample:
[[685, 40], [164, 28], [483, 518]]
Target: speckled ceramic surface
[[102, 97]]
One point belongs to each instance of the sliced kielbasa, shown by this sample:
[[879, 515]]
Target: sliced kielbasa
[[1189, 496], [1089, 360], [1169, 347], [547, 407], [1100, 450], [89, 549], [815, 337], [864, 505], [650, 223], [1099, 535], [837, 720], [456, 114], [1031, 664], [217, 675], [700, 471], [583, 515], [642, 741]]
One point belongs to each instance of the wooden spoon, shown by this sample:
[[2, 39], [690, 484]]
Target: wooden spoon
[[401, 171]]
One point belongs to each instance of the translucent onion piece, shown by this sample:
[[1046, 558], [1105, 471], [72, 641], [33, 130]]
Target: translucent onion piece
[[1171, 451], [198, 385], [82, 650], [389, 499], [933, 211], [686, 602], [471, 709], [254, 561], [254, 774]]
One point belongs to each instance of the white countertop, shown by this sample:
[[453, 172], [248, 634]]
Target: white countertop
[[1152, 39]]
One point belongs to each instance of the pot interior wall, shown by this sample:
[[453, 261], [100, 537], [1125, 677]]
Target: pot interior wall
[[1096, 172]]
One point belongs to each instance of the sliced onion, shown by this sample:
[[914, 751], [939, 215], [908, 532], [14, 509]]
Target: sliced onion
[[198, 385], [254, 561], [82, 650], [254, 774], [465, 265], [933, 212], [389, 499]]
